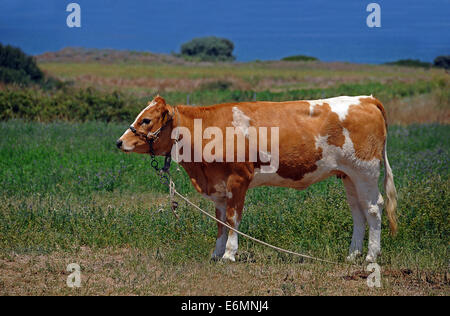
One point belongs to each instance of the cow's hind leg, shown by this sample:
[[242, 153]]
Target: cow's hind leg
[[222, 232], [359, 220], [371, 203], [236, 190]]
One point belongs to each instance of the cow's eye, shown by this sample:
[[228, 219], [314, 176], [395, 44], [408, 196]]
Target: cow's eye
[[146, 121]]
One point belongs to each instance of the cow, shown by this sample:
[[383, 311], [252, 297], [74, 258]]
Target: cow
[[342, 136]]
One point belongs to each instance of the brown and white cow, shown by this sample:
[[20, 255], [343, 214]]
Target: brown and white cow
[[342, 136]]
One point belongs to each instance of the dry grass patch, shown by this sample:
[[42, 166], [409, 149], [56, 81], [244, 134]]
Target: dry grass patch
[[427, 108], [273, 76], [136, 272]]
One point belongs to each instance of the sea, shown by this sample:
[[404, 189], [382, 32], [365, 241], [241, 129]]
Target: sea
[[333, 30]]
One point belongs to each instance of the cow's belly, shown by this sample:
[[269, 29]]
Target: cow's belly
[[274, 179]]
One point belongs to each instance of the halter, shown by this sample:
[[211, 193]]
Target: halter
[[150, 138]]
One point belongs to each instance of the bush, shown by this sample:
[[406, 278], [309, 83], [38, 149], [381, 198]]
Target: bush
[[8, 75], [17, 67], [217, 85], [442, 62], [410, 63], [299, 58], [67, 105], [209, 49]]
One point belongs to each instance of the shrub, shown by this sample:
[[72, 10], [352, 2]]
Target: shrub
[[209, 49], [299, 58], [8, 75], [17, 67], [410, 63], [442, 62], [217, 85], [67, 105]]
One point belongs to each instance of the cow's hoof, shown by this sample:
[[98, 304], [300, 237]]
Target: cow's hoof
[[215, 257], [228, 257], [371, 259], [353, 256]]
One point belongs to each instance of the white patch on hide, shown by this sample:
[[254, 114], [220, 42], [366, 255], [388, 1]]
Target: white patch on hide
[[232, 242], [220, 195], [338, 105], [334, 158], [124, 144], [241, 121], [153, 103], [221, 190]]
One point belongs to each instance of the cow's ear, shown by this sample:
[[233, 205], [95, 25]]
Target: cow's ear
[[159, 100]]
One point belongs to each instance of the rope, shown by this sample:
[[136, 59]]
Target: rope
[[173, 204], [248, 236]]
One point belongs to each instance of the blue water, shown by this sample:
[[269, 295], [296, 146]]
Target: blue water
[[332, 30]]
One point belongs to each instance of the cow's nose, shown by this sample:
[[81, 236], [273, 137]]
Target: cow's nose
[[119, 143]]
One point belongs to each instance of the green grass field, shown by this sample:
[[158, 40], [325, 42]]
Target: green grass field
[[68, 195], [66, 188]]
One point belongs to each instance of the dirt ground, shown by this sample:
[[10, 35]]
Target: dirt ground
[[134, 272]]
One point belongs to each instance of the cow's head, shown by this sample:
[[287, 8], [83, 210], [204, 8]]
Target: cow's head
[[153, 124]]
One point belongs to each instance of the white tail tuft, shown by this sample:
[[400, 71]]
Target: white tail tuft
[[391, 193]]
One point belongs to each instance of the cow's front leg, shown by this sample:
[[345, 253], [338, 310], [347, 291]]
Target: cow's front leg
[[236, 190], [233, 218], [222, 232]]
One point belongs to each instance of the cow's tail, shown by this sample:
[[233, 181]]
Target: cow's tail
[[389, 186], [391, 193]]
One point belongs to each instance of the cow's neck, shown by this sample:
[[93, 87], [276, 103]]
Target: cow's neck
[[184, 116]]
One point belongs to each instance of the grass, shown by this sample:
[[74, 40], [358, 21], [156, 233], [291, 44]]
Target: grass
[[68, 194], [257, 76], [130, 271]]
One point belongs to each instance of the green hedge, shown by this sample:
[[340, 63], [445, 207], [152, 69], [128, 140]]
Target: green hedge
[[66, 105], [410, 63], [300, 58]]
